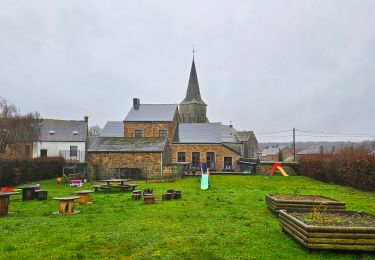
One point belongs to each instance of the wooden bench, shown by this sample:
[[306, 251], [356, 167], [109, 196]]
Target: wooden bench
[[102, 187]]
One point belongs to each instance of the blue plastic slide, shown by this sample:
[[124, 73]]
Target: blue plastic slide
[[204, 178]]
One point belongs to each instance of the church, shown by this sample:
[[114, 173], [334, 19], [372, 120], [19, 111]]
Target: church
[[154, 136]]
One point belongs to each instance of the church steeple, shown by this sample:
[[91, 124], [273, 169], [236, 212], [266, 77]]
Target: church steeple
[[192, 108], [193, 94]]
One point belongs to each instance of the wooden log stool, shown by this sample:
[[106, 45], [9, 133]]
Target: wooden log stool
[[177, 194], [84, 196], [4, 202], [41, 194], [66, 205], [167, 196], [136, 195], [148, 191], [149, 199]]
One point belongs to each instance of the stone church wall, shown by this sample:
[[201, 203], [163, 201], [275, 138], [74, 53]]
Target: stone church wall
[[219, 150]]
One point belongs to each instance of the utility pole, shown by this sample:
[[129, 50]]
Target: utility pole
[[294, 144]]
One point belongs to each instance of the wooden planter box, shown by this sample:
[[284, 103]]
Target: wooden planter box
[[329, 237], [302, 203]]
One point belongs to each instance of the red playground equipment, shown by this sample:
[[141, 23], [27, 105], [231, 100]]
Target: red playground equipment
[[277, 166]]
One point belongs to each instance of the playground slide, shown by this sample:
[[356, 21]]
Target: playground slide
[[204, 181], [282, 171]]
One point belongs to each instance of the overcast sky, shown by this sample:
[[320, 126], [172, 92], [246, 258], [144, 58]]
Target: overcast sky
[[265, 65]]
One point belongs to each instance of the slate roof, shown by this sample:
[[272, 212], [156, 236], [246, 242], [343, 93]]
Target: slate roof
[[121, 144], [113, 129], [63, 130], [152, 112], [272, 150], [314, 149], [198, 133], [244, 135], [229, 134], [193, 94]]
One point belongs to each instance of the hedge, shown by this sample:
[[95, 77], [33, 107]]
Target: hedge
[[15, 172], [353, 167]]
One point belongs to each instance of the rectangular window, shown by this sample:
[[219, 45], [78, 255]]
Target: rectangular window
[[210, 160], [27, 150], [181, 157], [195, 159], [138, 133], [227, 163], [163, 133], [73, 151], [43, 152]]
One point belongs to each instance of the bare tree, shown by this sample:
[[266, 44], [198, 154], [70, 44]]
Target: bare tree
[[94, 130], [16, 128]]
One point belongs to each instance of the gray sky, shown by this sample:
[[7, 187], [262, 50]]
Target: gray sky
[[265, 65]]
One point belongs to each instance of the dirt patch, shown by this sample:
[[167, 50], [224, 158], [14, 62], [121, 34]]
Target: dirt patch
[[301, 197], [339, 219]]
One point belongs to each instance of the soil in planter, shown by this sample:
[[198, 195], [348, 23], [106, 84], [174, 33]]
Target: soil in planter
[[338, 219], [301, 197]]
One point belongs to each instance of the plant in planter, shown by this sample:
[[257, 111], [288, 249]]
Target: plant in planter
[[296, 202], [345, 230]]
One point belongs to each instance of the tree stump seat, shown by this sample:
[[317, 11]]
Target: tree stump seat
[[148, 191], [84, 197], [137, 195], [66, 205], [4, 202], [177, 194], [149, 199], [41, 194], [167, 196]]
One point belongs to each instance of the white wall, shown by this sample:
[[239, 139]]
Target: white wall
[[54, 148]]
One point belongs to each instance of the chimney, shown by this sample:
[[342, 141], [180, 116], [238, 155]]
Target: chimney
[[86, 118], [230, 124], [136, 103]]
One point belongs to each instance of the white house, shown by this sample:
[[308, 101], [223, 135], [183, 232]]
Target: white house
[[64, 138]]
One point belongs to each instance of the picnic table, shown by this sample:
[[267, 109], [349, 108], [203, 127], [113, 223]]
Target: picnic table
[[122, 184], [84, 196], [121, 181], [28, 192], [66, 205], [4, 202]]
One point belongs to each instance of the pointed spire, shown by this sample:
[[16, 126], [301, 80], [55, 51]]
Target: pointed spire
[[193, 94]]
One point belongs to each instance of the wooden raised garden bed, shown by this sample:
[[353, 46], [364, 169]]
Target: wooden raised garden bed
[[346, 230], [295, 202]]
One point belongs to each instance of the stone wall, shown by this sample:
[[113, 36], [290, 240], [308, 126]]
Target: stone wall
[[151, 129], [219, 150], [193, 113], [149, 162]]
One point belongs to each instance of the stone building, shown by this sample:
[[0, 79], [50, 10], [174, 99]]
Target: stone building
[[157, 135]]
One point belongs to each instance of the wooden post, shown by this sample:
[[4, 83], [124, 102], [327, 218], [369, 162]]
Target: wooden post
[[4, 203]]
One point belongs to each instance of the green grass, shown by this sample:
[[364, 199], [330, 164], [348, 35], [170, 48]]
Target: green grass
[[229, 221]]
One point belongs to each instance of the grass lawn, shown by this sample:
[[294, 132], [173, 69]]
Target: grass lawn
[[229, 221]]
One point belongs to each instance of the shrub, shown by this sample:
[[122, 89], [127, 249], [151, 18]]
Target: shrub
[[354, 167], [15, 172]]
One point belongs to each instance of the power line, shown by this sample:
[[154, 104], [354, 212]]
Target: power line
[[277, 132], [328, 133]]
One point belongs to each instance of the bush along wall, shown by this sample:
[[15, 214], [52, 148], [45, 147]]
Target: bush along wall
[[354, 167], [15, 172]]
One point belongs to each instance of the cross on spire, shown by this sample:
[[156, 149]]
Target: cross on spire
[[194, 51]]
